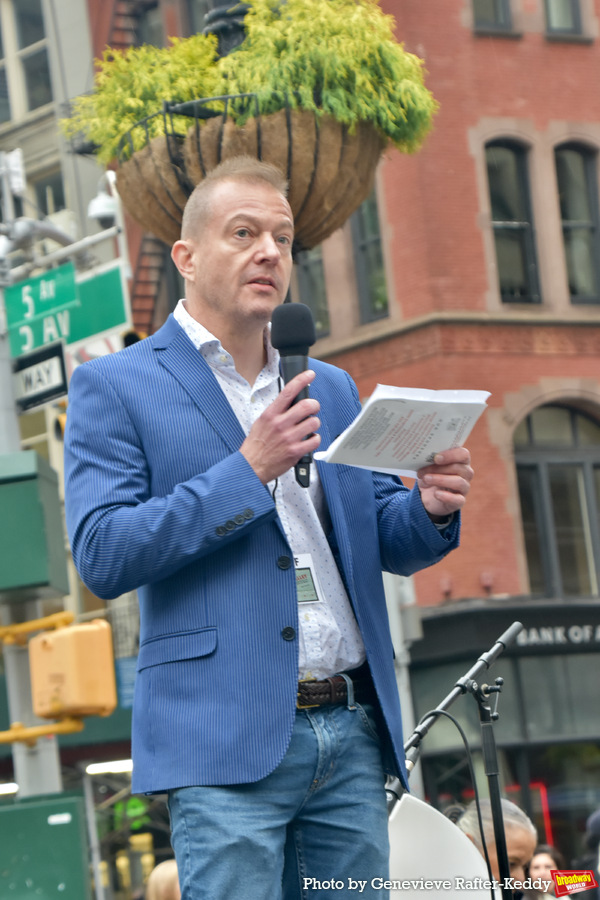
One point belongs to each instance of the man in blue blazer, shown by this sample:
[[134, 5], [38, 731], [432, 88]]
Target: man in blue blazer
[[265, 701]]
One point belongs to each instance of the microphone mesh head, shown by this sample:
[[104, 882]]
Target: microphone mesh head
[[292, 329]]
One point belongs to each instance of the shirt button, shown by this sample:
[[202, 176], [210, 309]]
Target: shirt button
[[288, 633], [284, 562]]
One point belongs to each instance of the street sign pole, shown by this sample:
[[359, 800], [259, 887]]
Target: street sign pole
[[36, 768]]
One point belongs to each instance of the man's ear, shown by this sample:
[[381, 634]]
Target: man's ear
[[182, 255]]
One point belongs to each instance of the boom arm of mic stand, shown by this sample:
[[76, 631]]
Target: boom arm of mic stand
[[469, 682]]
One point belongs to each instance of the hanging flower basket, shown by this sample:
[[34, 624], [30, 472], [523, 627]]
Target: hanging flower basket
[[330, 86], [330, 169]]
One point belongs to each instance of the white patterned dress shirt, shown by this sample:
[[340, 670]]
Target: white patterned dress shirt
[[329, 638]]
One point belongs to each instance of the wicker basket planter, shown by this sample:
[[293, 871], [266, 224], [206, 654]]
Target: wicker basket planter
[[330, 170]]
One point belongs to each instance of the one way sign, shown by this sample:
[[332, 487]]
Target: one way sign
[[40, 376]]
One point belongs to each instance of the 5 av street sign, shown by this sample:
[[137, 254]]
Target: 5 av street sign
[[58, 306]]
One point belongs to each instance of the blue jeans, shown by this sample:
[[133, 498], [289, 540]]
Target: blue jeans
[[314, 828]]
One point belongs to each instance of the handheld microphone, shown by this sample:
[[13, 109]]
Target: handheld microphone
[[292, 333]]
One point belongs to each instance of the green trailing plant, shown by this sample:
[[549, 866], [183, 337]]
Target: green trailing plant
[[130, 86], [335, 57]]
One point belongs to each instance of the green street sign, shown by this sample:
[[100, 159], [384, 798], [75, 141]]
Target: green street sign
[[58, 306]]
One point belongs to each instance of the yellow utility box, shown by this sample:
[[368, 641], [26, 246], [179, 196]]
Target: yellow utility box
[[73, 671]]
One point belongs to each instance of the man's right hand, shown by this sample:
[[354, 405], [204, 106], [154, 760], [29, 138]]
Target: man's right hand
[[284, 432]]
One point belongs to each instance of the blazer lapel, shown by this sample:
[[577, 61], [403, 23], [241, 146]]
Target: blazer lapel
[[176, 353]]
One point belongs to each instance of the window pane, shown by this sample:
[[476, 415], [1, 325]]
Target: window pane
[[37, 79], [574, 171], [571, 528], [491, 12], [49, 194], [506, 194], [581, 265], [597, 491], [30, 22], [311, 286], [573, 190], [529, 495], [1, 42], [561, 699], [378, 299], [150, 28], [551, 426], [197, 12], [370, 272], [560, 15], [512, 265], [5, 113], [588, 432]]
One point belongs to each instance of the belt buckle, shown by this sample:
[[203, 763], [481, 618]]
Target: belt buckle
[[306, 705]]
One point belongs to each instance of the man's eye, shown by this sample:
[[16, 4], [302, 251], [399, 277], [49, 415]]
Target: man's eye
[[242, 232], [284, 239]]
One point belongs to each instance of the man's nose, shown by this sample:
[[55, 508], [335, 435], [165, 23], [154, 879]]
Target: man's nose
[[267, 246]]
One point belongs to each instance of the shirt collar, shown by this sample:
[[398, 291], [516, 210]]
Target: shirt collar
[[210, 346]]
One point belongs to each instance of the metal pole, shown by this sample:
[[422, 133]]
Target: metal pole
[[37, 768], [88, 793]]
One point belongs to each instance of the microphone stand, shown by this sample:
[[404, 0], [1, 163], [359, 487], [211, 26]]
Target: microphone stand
[[469, 683]]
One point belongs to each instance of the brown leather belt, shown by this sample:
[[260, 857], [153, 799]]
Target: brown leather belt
[[334, 690]]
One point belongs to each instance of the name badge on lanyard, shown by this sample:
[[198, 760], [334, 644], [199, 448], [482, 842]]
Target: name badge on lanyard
[[307, 584]]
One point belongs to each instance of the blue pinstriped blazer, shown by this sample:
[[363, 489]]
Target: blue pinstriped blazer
[[159, 499]]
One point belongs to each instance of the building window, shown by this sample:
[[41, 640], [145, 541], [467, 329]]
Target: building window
[[512, 222], [492, 15], [311, 287], [49, 194], [149, 27], [197, 10], [370, 272], [557, 454], [24, 70], [563, 17], [578, 194]]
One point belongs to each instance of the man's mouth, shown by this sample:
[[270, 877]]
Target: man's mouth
[[264, 280]]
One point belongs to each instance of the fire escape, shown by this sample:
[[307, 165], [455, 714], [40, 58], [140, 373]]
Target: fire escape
[[148, 266]]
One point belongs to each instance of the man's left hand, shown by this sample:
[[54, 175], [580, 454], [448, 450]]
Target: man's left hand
[[444, 485]]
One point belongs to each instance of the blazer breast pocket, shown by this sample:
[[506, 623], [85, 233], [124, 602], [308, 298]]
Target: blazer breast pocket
[[177, 647]]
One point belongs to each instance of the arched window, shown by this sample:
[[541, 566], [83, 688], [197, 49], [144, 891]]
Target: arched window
[[557, 455], [512, 222], [578, 194]]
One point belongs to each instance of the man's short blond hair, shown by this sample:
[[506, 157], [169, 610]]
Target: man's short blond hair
[[242, 169]]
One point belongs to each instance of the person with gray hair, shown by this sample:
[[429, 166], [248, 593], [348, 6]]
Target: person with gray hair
[[520, 833]]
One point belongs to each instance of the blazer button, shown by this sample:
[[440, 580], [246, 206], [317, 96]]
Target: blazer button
[[288, 633], [230, 525], [284, 562], [239, 520], [248, 513], [220, 530]]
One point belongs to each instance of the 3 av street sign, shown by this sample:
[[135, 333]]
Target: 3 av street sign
[[58, 306], [40, 376]]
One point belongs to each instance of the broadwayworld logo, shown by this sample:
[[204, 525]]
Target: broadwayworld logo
[[567, 881]]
